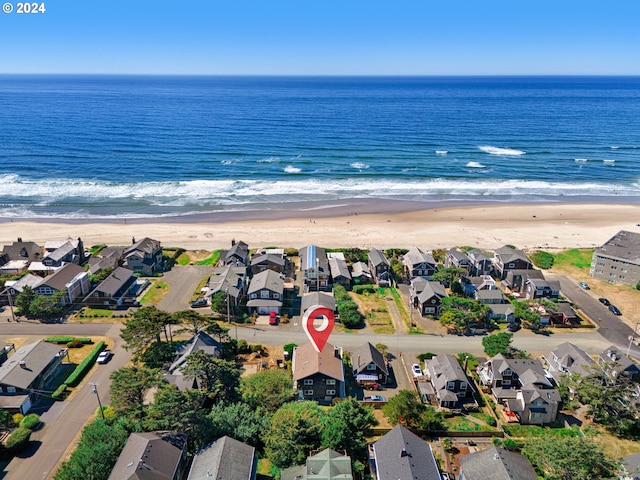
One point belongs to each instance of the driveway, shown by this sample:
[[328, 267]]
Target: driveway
[[610, 326], [182, 282]]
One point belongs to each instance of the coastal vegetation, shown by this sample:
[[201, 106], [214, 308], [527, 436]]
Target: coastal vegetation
[[156, 292], [542, 259]]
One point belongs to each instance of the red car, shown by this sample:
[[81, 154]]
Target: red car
[[273, 319]]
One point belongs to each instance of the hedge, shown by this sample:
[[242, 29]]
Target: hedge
[[31, 421], [61, 339], [360, 289], [18, 439], [85, 365], [60, 392]]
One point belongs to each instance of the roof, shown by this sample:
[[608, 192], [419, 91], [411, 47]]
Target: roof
[[36, 357], [114, 282], [623, 363], [443, 369], [318, 298], [108, 259], [269, 258], [307, 362], [59, 253], [502, 308], [238, 249], [326, 465], [624, 245], [376, 257], [400, 454], [508, 254], [227, 279], [360, 269], [150, 456], [430, 290], [309, 255], [458, 255], [267, 279], [201, 341], [490, 295], [528, 370], [224, 459], [339, 268], [146, 246], [496, 464], [26, 281], [23, 250], [365, 355], [631, 465], [571, 358], [477, 255], [62, 276], [415, 256]]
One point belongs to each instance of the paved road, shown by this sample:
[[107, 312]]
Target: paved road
[[182, 282], [614, 330], [50, 443]]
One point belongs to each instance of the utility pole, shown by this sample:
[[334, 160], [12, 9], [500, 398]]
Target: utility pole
[[13, 317], [95, 392]]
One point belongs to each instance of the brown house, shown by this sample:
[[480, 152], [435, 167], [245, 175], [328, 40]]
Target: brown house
[[318, 376], [507, 258]]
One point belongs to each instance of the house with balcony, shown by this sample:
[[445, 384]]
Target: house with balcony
[[318, 376], [369, 366], [379, 267], [66, 251], [229, 279], [617, 363], [567, 359], [71, 278], [314, 265], [618, 259], [266, 293], [456, 258], [144, 257], [237, 255], [540, 288], [115, 290], [480, 263], [268, 261], [419, 264], [426, 296], [449, 381], [506, 259]]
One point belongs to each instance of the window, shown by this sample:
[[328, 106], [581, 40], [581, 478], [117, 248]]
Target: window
[[463, 385], [451, 385], [253, 295], [308, 392], [276, 295], [308, 381], [506, 382], [511, 265], [331, 381], [11, 389], [264, 294], [371, 366], [330, 392], [537, 415], [429, 310]]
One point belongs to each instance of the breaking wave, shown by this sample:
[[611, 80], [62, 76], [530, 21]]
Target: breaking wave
[[475, 165], [500, 151]]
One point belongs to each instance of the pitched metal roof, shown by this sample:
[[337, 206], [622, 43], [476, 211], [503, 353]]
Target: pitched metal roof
[[224, 459], [400, 454], [496, 464], [310, 254]]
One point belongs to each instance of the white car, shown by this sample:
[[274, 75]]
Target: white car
[[415, 368], [105, 356]]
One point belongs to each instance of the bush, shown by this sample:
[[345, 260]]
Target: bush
[[75, 343], [360, 289], [257, 348], [85, 365], [6, 419], [542, 259], [31, 421], [243, 346], [17, 418], [291, 252], [426, 356], [65, 339], [60, 392], [289, 349], [18, 440]]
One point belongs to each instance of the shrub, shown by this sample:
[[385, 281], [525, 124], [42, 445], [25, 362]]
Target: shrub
[[17, 418], [289, 349], [65, 339], [426, 356], [243, 346], [60, 392], [6, 419], [360, 289], [31, 421], [18, 440], [257, 348], [542, 259], [491, 421], [75, 343], [638, 286], [291, 252], [85, 365]]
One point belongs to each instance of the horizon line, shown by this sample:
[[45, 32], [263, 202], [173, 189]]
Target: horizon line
[[321, 75]]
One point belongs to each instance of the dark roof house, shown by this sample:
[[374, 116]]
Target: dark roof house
[[224, 459], [369, 365], [496, 464]]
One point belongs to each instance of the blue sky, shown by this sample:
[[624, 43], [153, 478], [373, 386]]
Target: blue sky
[[307, 37]]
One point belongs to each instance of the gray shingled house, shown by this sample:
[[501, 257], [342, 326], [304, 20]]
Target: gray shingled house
[[227, 459], [507, 258], [496, 464], [144, 257], [618, 259], [266, 292], [418, 264], [369, 366], [566, 359], [450, 383], [325, 465]]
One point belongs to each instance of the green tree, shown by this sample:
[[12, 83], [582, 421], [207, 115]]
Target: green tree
[[347, 426], [497, 343], [158, 354], [448, 275], [268, 389], [47, 306], [128, 387], [219, 379], [145, 327], [193, 322], [406, 408], [240, 421], [101, 275], [219, 303], [96, 453], [564, 458], [23, 300], [350, 316], [295, 430], [459, 314]]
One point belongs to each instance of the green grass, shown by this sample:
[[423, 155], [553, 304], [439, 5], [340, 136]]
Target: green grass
[[211, 259], [575, 257], [461, 424], [525, 431], [156, 292], [183, 259], [96, 313]]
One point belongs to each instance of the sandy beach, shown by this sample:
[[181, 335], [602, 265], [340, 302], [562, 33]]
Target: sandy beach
[[549, 226]]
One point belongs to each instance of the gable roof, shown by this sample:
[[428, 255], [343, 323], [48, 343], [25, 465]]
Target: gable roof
[[508, 254], [36, 357], [227, 279], [574, 359], [415, 256], [238, 249], [307, 362], [496, 464], [266, 279], [360, 269], [150, 456], [431, 289], [28, 280], [365, 355], [443, 369], [62, 251], [376, 257], [400, 454], [62, 276], [458, 255], [146, 246], [201, 341], [114, 282], [339, 268], [269, 258], [224, 459], [318, 298], [23, 250], [477, 256]]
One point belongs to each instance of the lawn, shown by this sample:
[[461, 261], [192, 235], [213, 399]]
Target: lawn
[[155, 292], [526, 431], [573, 259], [461, 424], [211, 259], [95, 313], [374, 308]]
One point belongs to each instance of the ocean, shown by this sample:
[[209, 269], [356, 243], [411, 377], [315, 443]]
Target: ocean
[[153, 146]]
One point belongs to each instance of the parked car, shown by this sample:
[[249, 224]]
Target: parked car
[[584, 285], [105, 356], [375, 398], [615, 310], [273, 318], [604, 301], [415, 368], [513, 327], [201, 302]]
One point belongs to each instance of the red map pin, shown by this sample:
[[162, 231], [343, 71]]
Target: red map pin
[[318, 335]]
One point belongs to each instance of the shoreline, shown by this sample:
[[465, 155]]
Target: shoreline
[[363, 224]]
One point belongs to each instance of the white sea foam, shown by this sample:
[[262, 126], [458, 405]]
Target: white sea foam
[[441, 152], [614, 148], [500, 151], [581, 160], [475, 165], [609, 162], [292, 169], [359, 165], [227, 162], [268, 160]]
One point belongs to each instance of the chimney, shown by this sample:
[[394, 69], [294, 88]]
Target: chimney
[[22, 364], [19, 239], [404, 453], [233, 242], [133, 240]]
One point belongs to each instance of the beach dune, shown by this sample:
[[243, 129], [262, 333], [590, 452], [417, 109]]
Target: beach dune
[[548, 226]]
